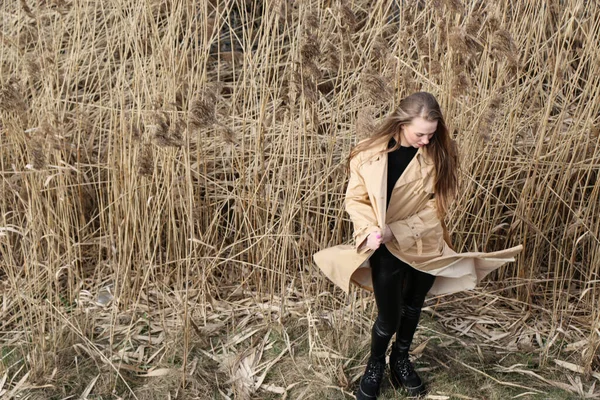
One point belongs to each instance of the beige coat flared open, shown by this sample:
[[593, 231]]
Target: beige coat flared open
[[413, 220]]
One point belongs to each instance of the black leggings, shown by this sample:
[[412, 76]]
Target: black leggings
[[400, 292]]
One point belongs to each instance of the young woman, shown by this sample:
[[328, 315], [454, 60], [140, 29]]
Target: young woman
[[402, 180]]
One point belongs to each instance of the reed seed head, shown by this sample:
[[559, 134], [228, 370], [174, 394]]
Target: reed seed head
[[408, 83], [460, 83], [502, 42], [435, 67], [227, 134], [311, 21], [332, 59], [376, 87], [168, 129], [442, 35], [310, 49], [311, 71], [160, 125], [423, 45], [489, 116], [595, 131], [380, 49], [347, 16], [38, 154], [33, 68], [474, 24], [304, 84], [458, 40], [492, 23], [176, 133], [496, 101], [26, 9], [11, 98], [146, 160], [365, 125], [203, 111], [503, 46], [283, 9], [455, 5]]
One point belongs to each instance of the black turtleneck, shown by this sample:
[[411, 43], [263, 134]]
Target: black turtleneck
[[398, 160]]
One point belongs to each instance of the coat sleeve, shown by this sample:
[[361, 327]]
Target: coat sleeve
[[359, 207]]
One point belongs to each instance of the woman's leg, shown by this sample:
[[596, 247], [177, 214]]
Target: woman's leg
[[388, 274], [416, 286]]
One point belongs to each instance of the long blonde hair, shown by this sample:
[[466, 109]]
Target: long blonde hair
[[440, 148]]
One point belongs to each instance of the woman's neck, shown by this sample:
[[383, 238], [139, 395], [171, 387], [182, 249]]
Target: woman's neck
[[399, 138]]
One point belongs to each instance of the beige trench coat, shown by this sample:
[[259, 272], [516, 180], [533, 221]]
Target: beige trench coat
[[412, 217]]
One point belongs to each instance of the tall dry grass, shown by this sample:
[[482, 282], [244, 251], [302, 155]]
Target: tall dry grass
[[161, 157]]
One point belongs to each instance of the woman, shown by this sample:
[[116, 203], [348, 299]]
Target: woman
[[402, 180]]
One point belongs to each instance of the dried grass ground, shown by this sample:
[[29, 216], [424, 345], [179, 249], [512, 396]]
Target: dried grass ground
[[168, 168], [477, 345]]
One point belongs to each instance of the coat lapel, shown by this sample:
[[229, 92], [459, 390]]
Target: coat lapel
[[413, 170]]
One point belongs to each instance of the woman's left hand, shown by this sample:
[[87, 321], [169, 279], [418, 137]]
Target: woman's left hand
[[387, 234]]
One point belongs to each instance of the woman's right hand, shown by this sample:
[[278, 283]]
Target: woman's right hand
[[374, 240]]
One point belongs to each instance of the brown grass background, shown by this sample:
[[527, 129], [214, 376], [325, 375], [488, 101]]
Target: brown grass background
[[168, 168]]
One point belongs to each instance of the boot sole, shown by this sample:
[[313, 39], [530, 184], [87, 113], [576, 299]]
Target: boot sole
[[360, 395], [412, 391]]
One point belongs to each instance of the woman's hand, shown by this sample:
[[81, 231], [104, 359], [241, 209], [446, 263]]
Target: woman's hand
[[387, 234], [374, 240]]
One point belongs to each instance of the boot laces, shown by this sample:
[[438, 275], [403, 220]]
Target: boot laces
[[404, 366], [374, 371]]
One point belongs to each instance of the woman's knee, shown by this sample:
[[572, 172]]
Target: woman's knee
[[412, 311], [385, 328]]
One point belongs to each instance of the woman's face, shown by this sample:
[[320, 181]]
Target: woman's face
[[418, 132]]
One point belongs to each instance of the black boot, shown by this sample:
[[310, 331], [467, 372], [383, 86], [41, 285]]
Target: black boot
[[368, 389], [402, 371]]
